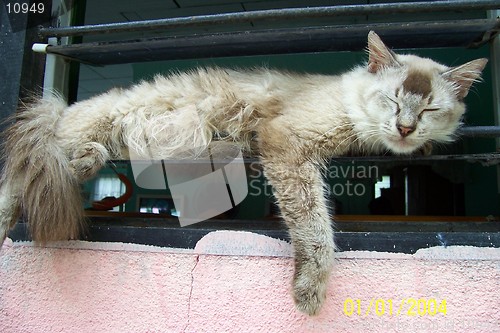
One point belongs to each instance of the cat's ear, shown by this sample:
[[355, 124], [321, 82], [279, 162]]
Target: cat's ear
[[379, 55], [465, 75]]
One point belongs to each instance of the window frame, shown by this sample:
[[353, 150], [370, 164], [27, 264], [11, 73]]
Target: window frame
[[353, 235]]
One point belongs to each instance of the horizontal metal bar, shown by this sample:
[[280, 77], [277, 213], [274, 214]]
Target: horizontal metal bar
[[484, 158], [171, 235], [480, 131], [272, 14], [460, 33]]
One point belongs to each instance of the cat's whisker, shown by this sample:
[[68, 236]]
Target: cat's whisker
[[358, 139], [336, 128], [326, 133], [339, 145], [373, 143]]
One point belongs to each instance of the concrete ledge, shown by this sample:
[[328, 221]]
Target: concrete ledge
[[240, 282]]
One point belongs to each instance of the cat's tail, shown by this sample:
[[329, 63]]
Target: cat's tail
[[37, 180]]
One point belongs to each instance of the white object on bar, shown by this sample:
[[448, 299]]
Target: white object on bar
[[39, 48]]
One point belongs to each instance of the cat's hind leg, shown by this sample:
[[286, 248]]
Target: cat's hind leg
[[9, 207]]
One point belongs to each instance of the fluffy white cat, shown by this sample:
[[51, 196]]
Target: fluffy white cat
[[397, 103]]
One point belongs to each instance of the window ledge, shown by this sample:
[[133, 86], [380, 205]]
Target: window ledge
[[243, 243], [469, 245]]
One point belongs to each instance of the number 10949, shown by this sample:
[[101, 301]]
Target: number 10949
[[25, 7]]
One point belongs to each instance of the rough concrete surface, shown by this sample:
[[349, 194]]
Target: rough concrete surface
[[240, 282]]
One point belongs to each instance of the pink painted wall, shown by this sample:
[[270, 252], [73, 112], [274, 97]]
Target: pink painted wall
[[238, 282]]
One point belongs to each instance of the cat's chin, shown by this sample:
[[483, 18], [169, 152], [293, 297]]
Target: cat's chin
[[401, 146]]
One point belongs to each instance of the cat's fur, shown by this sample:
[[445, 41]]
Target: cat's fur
[[397, 103]]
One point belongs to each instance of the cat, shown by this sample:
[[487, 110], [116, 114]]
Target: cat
[[394, 103]]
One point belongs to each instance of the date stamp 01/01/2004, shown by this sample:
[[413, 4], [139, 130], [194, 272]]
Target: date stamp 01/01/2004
[[410, 307]]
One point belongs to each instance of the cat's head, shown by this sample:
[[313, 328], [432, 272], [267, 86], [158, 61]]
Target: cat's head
[[416, 100]]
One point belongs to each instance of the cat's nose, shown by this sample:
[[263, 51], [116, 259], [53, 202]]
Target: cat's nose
[[405, 131]]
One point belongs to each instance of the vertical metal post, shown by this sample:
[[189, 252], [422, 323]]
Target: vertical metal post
[[56, 68], [495, 78]]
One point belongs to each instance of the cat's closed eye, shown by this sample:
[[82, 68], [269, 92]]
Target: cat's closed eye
[[429, 109], [395, 101], [398, 109]]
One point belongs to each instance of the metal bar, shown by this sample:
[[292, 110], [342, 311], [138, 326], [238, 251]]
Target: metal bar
[[480, 131], [495, 83], [280, 41], [272, 14], [484, 158], [402, 241]]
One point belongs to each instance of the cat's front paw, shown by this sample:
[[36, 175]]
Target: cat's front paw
[[309, 293]]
